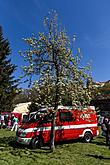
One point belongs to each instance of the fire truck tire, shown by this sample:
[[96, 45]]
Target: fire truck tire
[[87, 137], [37, 142]]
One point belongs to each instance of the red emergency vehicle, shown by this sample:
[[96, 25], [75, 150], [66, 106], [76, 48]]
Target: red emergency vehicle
[[69, 124]]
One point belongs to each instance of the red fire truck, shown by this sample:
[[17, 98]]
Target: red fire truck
[[69, 124]]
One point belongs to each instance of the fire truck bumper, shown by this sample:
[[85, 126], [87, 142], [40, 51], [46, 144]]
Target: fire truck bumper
[[25, 141]]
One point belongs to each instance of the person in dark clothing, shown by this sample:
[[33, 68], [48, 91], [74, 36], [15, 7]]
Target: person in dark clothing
[[12, 117], [6, 120], [106, 128]]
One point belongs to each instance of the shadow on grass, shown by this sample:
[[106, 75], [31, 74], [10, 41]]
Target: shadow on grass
[[100, 137], [98, 157], [4, 141], [15, 145], [98, 143], [46, 147], [8, 143], [100, 140]]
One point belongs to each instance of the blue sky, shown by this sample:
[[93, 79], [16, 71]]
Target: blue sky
[[88, 19]]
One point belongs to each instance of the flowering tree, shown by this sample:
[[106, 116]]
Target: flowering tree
[[50, 56]]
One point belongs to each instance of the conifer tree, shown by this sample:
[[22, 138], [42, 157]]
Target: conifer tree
[[8, 85]]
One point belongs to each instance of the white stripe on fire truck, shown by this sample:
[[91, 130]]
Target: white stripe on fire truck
[[60, 127]]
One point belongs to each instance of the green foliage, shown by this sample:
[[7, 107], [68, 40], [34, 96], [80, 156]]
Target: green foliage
[[8, 85]]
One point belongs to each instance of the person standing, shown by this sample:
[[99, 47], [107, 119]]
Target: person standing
[[106, 129], [15, 124], [12, 117], [2, 120], [108, 133], [6, 120], [9, 123]]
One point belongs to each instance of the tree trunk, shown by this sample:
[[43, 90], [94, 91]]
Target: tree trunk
[[52, 133]]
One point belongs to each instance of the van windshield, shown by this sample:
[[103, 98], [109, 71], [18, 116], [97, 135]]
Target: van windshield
[[46, 117], [35, 116]]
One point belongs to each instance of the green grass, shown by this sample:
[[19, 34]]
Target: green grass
[[74, 153]]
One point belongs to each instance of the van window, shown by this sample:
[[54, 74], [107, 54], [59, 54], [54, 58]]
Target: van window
[[25, 118], [34, 118], [47, 118], [66, 116]]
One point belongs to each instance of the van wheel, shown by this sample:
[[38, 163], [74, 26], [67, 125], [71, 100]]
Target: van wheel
[[37, 142], [87, 137]]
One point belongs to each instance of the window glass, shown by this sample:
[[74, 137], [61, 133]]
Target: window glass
[[66, 116], [34, 118], [25, 118], [47, 118]]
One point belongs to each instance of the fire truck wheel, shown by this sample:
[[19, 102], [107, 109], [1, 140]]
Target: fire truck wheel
[[37, 142], [88, 137]]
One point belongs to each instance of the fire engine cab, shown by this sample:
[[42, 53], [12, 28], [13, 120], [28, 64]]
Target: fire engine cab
[[69, 124]]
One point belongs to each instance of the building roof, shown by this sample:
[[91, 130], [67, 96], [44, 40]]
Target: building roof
[[22, 108]]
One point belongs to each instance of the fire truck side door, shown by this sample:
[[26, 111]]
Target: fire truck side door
[[65, 128]]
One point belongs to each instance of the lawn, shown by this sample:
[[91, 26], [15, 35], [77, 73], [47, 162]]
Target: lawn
[[74, 153]]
